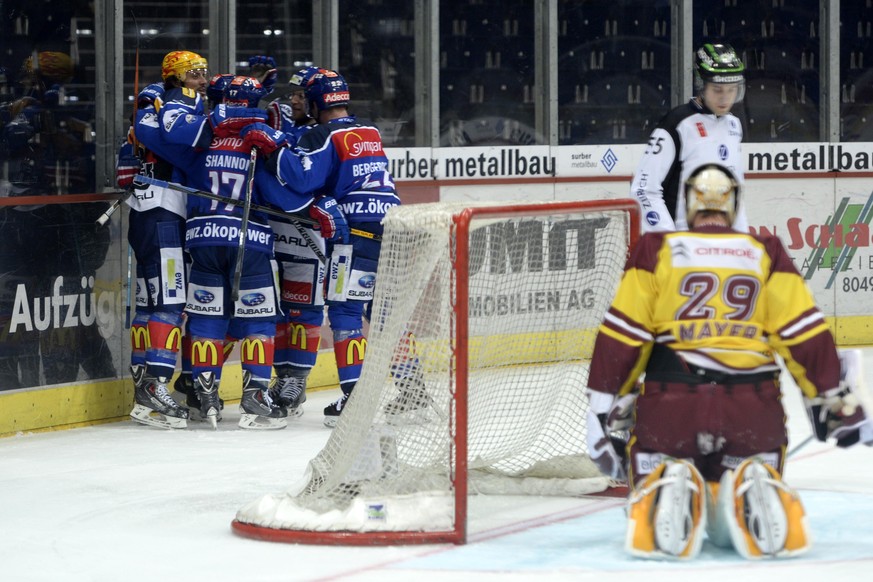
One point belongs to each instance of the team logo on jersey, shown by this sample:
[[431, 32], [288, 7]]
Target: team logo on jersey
[[701, 129], [203, 296], [363, 142], [253, 299]]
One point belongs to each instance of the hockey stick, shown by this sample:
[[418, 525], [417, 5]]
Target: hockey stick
[[144, 181], [799, 446], [243, 230], [107, 214]]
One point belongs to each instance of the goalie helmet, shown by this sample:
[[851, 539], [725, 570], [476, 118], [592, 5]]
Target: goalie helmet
[[244, 92], [178, 63], [718, 63], [327, 89], [217, 85], [711, 188]]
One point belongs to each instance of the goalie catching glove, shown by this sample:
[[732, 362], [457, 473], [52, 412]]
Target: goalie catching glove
[[263, 137], [331, 219], [839, 413], [606, 450]]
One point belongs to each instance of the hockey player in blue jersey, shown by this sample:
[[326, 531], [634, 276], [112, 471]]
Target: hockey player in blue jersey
[[156, 234], [342, 158], [301, 271], [212, 239]]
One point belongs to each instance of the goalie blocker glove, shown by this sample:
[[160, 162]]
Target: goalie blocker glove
[[331, 219], [605, 451], [263, 137]]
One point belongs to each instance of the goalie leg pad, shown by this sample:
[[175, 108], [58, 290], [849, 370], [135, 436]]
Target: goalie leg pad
[[762, 516], [667, 514]]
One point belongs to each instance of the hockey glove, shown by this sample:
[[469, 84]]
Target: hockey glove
[[263, 68], [279, 115], [148, 96], [52, 96], [263, 137], [331, 219], [838, 415], [228, 121], [128, 166], [605, 452], [621, 414]]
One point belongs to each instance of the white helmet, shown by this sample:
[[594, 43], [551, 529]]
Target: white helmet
[[714, 188]]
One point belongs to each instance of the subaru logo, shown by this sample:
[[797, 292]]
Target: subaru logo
[[253, 299], [367, 281], [204, 296]]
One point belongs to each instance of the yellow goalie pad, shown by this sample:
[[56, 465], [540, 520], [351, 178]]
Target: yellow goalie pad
[[762, 515], [667, 513]]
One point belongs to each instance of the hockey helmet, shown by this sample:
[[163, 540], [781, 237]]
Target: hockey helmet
[[52, 66], [713, 188], [244, 92], [301, 78], [178, 63], [718, 63], [327, 89], [217, 85]]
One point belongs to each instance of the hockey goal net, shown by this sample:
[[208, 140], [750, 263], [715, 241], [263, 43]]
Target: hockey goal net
[[482, 327]]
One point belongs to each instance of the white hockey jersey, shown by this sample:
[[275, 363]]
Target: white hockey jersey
[[685, 139]]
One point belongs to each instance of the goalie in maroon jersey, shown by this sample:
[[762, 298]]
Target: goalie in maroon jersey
[[703, 313]]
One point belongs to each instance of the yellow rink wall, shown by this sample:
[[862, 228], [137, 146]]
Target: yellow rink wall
[[87, 403], [82, 404]]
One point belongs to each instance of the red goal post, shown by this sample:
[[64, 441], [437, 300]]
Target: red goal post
[[483, 321]]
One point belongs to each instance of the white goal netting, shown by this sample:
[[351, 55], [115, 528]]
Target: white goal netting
[[483, 321]]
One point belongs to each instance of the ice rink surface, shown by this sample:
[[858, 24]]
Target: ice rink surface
[[124, 502]]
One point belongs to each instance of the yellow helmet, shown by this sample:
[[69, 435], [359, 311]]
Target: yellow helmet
[[178, 63], [54, 67], [711, 187]]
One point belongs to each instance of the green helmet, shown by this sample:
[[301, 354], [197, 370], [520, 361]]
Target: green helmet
[[717, 63]]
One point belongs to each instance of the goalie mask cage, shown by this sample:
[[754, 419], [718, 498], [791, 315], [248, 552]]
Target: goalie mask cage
[[483, 323]]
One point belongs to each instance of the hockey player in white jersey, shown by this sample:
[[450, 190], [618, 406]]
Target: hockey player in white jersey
[[701, 131]]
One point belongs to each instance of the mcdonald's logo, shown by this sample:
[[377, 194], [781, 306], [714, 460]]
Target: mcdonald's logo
[[204, 353], [253, 350], [174, 339], [297, 336], [139, 337], [355, 351]]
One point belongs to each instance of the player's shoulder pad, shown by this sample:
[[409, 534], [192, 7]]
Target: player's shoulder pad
[[676, 115]]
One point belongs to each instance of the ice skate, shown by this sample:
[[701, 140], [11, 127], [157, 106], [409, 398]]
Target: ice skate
[[154, 406], [210, 403], [333, 411], [183, 387], [413, 396], [290, 392], [192, 401], [259, 412]]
